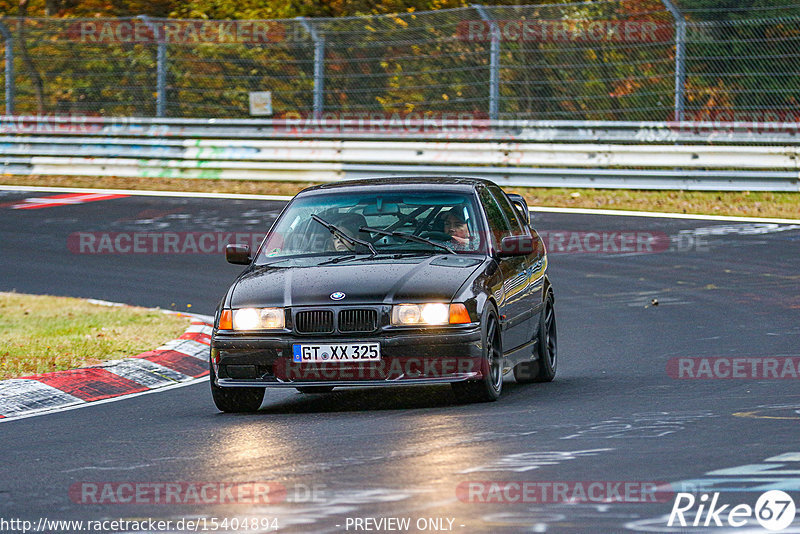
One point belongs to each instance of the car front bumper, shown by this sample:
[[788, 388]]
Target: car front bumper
[[407, 358]]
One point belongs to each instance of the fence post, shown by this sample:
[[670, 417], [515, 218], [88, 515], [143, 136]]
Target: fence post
[[161, 67], [680, 58], [319, 66], [494, 62], [9, 45]]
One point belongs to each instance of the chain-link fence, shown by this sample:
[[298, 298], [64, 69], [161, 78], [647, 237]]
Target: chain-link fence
[[605, 60]]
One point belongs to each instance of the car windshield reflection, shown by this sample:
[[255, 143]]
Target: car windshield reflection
[[374, 223]]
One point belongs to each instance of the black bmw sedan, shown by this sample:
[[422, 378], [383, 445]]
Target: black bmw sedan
[[388, 282]]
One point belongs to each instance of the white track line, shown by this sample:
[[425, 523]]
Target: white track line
[[666, 215], [205, 318], [236, 196], [135, 192]]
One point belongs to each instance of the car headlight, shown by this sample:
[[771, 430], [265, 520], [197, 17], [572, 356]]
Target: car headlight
[[258, 319], [432, 313]]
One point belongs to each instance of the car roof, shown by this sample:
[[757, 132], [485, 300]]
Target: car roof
[[432, 183]]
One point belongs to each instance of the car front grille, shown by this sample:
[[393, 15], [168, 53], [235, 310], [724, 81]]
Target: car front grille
[[314, 322], [364, 320], [321, 321]]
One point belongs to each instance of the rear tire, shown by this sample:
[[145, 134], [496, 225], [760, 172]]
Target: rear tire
[[310, 390], [235, 400], [543, 369], [488, 388]]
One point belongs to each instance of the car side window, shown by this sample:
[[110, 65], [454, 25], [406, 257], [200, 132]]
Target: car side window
[[509, 211], [498, 226]]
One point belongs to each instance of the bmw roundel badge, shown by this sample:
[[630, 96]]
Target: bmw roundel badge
[[337, 295]]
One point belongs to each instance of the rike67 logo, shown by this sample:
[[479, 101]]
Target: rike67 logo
[[774, 510]]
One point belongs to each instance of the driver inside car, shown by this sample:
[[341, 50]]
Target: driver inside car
[[350, 224], [456, 227]]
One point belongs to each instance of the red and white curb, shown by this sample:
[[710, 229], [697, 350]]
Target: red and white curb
[[61, 200], [178, 361]]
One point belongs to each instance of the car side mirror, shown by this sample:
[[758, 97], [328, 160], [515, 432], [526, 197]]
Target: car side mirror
[[518, 201], [516, 245], [238, 254]]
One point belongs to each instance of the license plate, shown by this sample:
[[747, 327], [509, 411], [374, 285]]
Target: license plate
[[338, 352]]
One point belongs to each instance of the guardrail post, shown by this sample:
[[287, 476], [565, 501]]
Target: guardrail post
[[9, 55], [319, 66], [161, 67], [680, 58], [494, 62]]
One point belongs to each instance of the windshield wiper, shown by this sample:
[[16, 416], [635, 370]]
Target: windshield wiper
[[338, 259], [335, 230], [409, 237]]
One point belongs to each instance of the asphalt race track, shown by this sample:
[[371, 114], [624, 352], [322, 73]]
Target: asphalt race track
[[617, 412]]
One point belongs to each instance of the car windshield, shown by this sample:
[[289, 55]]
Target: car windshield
[[448, 221]]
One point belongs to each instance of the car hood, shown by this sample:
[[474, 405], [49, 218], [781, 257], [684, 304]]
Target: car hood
[[365, 281]]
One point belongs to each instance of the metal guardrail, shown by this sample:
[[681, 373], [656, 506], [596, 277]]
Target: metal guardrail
[[576, 154], [465, 129]]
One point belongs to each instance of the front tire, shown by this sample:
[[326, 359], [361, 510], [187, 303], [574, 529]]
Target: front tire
[[488, 388], [235, 400], [544, 368]]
